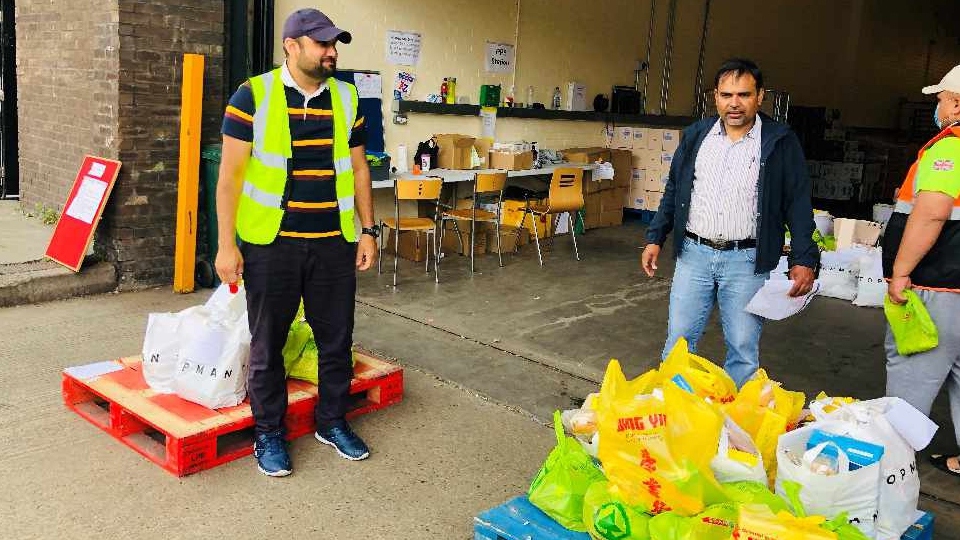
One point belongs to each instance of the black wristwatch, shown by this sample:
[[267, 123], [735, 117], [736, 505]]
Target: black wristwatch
[[372, 231]]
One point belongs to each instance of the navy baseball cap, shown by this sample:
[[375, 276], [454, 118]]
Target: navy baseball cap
[[315, 25]]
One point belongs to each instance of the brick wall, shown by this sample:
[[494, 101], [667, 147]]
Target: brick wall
[[115, 92], [67, 64], [139, 227]]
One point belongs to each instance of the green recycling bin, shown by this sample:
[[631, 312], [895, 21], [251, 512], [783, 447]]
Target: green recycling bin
[[206, 274]]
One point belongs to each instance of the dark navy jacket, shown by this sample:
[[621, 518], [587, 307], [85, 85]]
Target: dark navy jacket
[[783, 198]]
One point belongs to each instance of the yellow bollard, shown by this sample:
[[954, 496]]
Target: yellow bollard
[[185, 253]]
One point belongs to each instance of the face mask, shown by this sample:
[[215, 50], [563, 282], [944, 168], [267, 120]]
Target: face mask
[[936, 117]]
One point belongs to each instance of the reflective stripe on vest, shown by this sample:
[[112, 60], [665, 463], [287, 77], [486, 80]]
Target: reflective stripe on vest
[[908, 191], [260, 210]]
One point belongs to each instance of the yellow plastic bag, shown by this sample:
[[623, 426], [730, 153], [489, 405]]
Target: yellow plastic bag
[[757, 521], [705, 378], [765, 410], [655, 459]]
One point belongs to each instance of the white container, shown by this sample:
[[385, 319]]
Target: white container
[[824, 222], [882, 213]]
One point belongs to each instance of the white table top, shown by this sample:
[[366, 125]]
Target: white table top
[[450, 175]]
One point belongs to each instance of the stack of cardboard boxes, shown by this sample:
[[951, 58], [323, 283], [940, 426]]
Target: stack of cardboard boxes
[[652, 153], [603, 199]]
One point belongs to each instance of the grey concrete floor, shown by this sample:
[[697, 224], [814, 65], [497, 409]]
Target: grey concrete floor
[[24, 238], [488, 358]]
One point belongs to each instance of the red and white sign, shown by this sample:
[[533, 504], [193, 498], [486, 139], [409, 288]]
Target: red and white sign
[[81, 213]]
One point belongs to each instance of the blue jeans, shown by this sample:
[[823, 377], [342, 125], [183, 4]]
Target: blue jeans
[[702, 275]]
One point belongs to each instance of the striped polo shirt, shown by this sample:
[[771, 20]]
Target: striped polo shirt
[[310, 200], [723, 204]]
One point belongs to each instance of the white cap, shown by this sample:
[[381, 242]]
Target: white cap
[[950, 82]]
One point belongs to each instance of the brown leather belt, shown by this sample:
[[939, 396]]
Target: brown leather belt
[[725, 245]]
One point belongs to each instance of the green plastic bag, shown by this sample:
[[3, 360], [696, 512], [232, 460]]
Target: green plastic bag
[[754, 493], [608, 518], [838, 525], [913, 330], [300, 354], [559, 487], [716, 522]]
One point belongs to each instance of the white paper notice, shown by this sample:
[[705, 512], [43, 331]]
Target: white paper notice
[[92, 371], [488, 116], [913, 425], [97, 170], [369, 85], [500, 57], [773, 302], [87, 201], [403, 48]]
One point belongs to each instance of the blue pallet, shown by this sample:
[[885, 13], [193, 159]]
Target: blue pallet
[[646, 216], [519, 520], [921, 530]]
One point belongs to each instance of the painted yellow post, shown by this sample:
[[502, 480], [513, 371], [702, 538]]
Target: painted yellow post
[[185, 253]]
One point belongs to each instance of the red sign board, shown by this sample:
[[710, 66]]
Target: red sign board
[[91, 189]]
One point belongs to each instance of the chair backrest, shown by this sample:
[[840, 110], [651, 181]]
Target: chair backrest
[[566, 190], [490, 182], [418, 189]]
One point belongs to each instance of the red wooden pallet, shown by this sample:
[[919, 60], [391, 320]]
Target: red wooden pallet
[[184, 438]]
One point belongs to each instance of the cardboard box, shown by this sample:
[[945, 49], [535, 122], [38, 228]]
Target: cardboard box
[[622, 161], [510, 162], [451, 244], [652, 200], [508, 239], [623, 137], [612, 199], [591, 211], [512, 212], [653, 159], [414, 245], [634, 198], [654, 182], [655, 139], [666, 159], [611, 218], [455, 151], [590, 154], [640, 135], [856, 231], [671, 140]]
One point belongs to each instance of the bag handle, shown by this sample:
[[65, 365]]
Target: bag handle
[[843, 462], [558, 427]]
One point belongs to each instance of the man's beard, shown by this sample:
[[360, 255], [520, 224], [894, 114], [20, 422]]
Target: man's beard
[[322, 70]]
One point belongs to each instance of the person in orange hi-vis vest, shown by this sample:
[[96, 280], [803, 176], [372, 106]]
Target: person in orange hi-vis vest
[[921, 251]]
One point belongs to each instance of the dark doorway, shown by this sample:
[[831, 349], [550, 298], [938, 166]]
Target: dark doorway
[[9, 162]]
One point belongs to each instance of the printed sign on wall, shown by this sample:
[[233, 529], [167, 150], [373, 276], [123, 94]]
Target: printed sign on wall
[[500, 57], [403, 48]]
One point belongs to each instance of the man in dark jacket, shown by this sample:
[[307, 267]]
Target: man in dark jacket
[[734, 183]]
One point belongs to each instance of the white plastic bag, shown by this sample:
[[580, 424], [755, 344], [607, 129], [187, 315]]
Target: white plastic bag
[[726, 469], [870, 421], [838, 273], [854, 492], [214, 352], [161, 343], [871, 288]]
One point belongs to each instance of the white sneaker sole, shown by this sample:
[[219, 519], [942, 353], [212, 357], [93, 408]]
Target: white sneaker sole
[[275, 474], [344, 456]]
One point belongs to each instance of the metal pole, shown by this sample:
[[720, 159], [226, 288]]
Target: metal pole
[[698, 97], [646, 64], [668, 58]]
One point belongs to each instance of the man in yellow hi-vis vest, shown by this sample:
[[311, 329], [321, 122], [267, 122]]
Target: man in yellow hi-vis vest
[[293, 176], [921, 250]]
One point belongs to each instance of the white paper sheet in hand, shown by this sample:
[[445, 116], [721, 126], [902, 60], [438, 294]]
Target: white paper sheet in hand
[[773, 302]]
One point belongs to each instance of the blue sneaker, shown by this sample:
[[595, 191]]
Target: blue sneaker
[[344, 440], [271, 452]]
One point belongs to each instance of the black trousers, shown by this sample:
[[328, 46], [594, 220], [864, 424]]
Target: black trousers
[[276, 276]]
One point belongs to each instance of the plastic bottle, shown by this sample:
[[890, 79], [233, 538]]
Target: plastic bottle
[[556, 99], [529, 102], [451, 90], [443, 90], [509, 99]]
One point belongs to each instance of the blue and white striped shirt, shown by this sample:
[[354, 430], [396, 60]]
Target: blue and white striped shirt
[[723, 204]]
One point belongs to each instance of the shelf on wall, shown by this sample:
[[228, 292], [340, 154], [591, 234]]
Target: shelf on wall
[[545, 114]]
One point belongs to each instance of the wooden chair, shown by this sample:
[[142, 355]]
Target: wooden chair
[[419, 189], [487, 185], [566, 195]]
